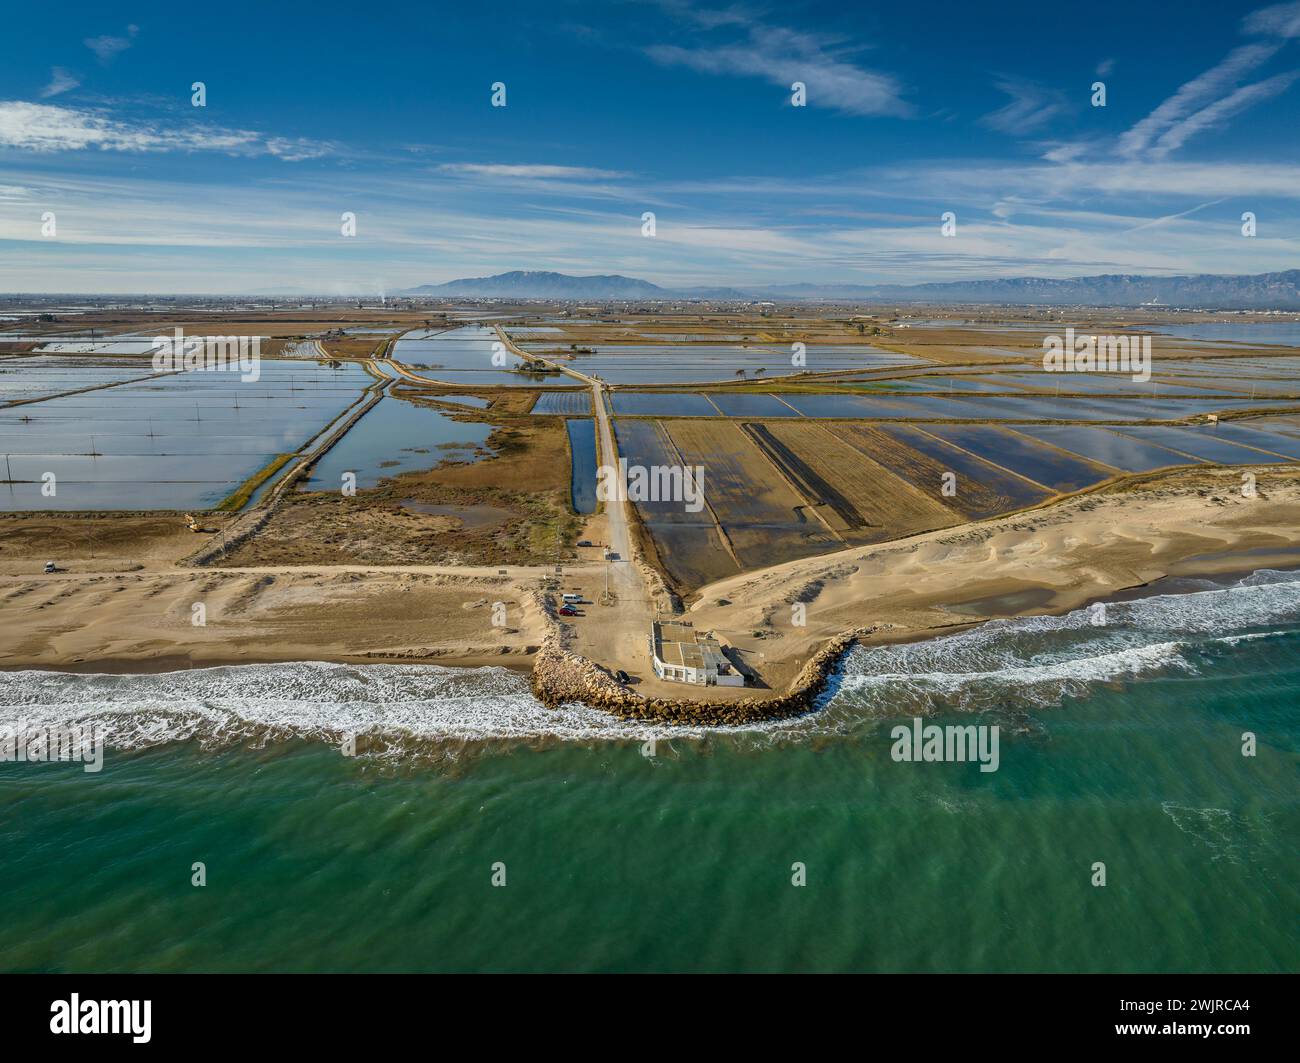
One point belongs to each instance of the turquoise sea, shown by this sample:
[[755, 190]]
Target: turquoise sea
[[1120, 743]]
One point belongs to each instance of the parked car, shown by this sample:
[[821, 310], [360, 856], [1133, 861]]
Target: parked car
[[568, 610], [584, 542], [622, 677]]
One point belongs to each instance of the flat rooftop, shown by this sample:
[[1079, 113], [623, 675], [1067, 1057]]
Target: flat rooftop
[[677, 643]]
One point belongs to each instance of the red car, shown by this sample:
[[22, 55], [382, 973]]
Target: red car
[[567, 611]]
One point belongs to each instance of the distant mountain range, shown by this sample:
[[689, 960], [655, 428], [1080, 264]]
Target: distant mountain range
[[534, 284], [1261, 291]]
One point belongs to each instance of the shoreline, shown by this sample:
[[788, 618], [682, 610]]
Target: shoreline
[[169, 663], [590, 684], [135, 618]]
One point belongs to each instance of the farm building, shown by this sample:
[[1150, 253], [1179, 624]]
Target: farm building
[[680, 655]]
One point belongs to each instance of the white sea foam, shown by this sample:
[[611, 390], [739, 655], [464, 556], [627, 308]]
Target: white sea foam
[[391, 703], [1035, 661]]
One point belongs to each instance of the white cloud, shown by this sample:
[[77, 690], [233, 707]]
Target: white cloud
[[527, 170], [48, 128], [782, 57], [1280, 20], [1200, 92], [1220, 111], [1032, 106], [106, 47], [60, 81]]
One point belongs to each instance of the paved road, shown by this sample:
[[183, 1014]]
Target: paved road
[[625, 578]]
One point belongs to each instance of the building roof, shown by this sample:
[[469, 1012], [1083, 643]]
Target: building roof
[[676, 643]]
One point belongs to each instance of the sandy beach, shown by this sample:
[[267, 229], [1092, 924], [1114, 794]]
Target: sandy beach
[[132, 606]]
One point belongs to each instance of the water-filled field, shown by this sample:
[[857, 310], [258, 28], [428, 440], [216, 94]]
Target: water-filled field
[[1041, 463], [632, 364], [1204, 444], [1106, 447], [41, 375], [1285, 333], [564, 403], [473, 355], [662, 404], [763, 518], [178, 441], [394, 437], [473, 348], [871, 502], [1103, 384], [582, 450], [732, 405], [1269, 435]]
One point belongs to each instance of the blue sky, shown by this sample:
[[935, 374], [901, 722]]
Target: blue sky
[[618, 108]]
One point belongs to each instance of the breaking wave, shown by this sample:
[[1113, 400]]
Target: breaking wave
[[1034, 662], [403, 709]]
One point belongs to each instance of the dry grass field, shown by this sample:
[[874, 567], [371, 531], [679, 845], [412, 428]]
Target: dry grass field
[[517, 500]]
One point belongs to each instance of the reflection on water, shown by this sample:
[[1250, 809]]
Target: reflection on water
[[582, 446], [396, 437], [169, 442], [1284, 333]]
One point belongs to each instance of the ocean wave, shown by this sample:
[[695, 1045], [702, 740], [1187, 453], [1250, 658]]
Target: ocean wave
[[1034, 662], [1022, 663], [387, 706]]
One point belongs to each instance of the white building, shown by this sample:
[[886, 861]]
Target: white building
[[682, 656]]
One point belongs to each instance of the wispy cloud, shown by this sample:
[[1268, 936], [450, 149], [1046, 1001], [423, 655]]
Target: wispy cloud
[[1280, 20], [783, 56], [107, 46], [528, 170], [44, 127], [1201, 91], [1032, 106], [60, 81], [1218, 113]]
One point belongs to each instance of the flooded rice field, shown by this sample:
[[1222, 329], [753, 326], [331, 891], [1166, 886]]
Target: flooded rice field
[[734, 405], [1281, 333], [900, 405], [473, 355], [981, 489], [582, 452], [633, 364], [394, 437], [180, 441], [1203, 444], [42, 375], [1053, 468], [662, 404], [563, 403], [1106, 447]]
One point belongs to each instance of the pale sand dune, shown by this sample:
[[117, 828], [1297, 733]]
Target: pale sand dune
[[1082, 549]]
